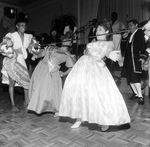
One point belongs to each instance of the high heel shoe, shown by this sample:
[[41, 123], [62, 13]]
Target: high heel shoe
[[56, 114], [115, 128], [141, 101], [76, 125], [105, 128]]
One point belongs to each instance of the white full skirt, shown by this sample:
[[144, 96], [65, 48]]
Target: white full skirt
[[91, 94]]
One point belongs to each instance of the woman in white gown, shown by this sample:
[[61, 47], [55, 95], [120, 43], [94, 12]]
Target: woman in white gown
[[45, 87], [90, 93]]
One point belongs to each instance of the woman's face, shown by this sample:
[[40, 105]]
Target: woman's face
[[21, 27], [99, 33], [66, 42]]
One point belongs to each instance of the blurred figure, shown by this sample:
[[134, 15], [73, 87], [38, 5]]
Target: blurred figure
[[117, 26], [63, 66], [71, 27], [146, 28], [54, 38], [45, 38], [93, 30], [31, 61]]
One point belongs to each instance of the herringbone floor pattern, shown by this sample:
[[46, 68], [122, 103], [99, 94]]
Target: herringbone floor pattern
[[22, 129]]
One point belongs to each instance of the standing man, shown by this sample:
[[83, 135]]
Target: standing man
[[135, 57]]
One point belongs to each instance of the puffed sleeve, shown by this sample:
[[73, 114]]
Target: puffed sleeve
[[9, 36], [6, 47], [69, 62]]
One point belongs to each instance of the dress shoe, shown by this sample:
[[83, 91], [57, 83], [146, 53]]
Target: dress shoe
[[56, 114], [105, 128], [116, 128], [141, 101], [76, 125], [133, 97]]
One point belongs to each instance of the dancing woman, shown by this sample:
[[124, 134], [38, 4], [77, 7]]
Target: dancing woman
[[14, 70], [90, 92], [45, 87]]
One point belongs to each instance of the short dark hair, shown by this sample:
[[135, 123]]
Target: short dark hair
[[114, 13], [134, 21]]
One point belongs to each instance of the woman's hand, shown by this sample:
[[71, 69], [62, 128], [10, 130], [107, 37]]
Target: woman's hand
[[114, 55], [125, 34]]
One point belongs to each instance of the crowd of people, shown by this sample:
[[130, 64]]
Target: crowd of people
[[83, 89]]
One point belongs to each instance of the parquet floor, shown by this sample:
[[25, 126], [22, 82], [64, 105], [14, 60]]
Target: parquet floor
[[22, 129]]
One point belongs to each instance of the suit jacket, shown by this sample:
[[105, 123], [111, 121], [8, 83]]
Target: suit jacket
[[136, 49]]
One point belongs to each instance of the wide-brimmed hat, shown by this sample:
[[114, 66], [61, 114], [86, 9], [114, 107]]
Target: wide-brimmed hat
[[21, 17]]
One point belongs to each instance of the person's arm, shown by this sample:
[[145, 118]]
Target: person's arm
[[66, 72], [73, 58], [146, 64], [39, 54], [69, 63], [111, 53]]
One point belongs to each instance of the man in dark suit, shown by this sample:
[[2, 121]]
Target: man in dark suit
[[134, 58]]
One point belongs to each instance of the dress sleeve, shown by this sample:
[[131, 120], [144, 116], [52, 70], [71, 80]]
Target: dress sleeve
[[9, 36], [69, 62]]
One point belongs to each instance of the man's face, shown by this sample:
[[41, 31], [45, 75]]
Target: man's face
[[132, 27]]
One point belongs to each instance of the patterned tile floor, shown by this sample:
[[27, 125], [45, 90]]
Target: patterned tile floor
[[22, 129]]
